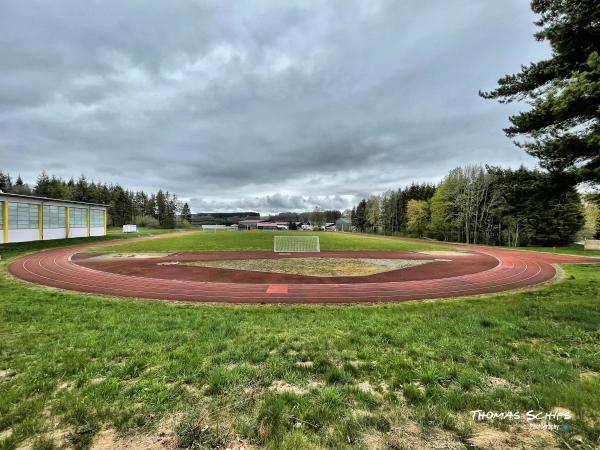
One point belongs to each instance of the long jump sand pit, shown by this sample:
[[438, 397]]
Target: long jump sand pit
[[205, 277]]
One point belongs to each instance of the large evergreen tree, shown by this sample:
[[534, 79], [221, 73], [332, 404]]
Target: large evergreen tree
[[186, 214], [562, 128]]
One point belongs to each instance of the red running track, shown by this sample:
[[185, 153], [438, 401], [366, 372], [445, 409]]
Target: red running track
[[514, 269]]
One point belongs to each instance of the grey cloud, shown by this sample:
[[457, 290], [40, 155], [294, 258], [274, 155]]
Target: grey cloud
[[263, 105]]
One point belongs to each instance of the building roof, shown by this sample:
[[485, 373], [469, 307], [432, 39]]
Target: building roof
[[46, 199]]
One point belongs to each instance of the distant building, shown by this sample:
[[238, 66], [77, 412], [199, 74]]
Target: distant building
[[267, 226], [249, 224], [343, 224]]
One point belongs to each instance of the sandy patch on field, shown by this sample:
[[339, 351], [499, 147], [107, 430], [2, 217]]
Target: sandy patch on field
[[312, 266]]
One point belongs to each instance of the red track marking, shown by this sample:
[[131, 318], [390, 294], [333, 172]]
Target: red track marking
[[514, 269], [277, 290]]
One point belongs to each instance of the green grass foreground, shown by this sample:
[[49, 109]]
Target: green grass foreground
[[263, 240], [393, 376]]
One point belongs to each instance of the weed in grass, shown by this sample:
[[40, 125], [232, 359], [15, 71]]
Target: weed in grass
[[197, 431], [44, 443], [272, 419], [413, 393]]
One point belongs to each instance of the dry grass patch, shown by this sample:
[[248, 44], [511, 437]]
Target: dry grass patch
[[282, 387], [518, 438], [409, 436], [315, 267], [305, 364], [501, 383]]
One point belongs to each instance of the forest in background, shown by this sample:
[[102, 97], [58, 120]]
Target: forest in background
[[485, 205], [159, 210]]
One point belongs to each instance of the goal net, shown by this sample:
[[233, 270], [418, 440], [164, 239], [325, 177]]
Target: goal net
[[285, 244]]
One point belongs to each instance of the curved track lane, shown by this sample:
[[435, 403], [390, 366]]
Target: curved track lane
[[515, 269]]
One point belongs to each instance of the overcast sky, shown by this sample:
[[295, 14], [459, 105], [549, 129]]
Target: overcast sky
[[264, 105]]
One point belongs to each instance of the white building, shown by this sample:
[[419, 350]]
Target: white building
[[27, 218]]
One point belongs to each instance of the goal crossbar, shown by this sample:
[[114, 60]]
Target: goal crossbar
[[289, 244]]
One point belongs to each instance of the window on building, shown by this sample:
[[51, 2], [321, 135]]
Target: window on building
[[54, 217], [96, 218], [1, 215], [22, 216], [78, 218]]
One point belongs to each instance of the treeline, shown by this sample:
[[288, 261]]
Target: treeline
[[200, 219], [480, 205], [159, 210], [318, 216]]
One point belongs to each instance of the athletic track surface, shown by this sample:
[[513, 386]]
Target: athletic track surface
[[509, 269]]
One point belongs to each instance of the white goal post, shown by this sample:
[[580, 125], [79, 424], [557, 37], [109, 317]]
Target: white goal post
[[289, 244], [213, 228]]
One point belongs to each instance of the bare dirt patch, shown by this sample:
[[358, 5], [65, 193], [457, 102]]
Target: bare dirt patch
[[6, 373], [316, 267], [501, 383], [367, 387], [283, 387], [409, 436], [525, 438], [163, 438], [5, 434], [589, 375]]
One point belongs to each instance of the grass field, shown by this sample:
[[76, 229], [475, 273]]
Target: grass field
[[77, 368], [263, 240]]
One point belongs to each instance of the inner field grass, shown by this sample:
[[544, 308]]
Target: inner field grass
[[295, 377], [263, 240]]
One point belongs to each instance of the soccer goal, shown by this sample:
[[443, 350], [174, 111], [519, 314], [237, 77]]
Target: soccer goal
[[288, 244], [213, 228]]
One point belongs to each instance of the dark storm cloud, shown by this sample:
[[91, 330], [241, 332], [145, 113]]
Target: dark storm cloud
[[258, 105]]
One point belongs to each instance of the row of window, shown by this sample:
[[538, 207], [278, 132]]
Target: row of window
[[24, 216], [54, 216], [77, 218], [96, 218]]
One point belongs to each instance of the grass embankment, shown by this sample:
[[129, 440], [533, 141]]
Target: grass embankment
[[397, 376], [263, 240], [577, 250]]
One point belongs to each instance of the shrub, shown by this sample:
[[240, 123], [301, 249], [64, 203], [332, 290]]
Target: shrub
[[147, 221]]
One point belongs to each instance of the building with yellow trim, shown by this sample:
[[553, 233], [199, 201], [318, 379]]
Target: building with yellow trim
[[26, 218]]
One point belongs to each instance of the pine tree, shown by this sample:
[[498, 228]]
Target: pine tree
[[186, 214], [563, 124], [161, 208], [5, 182]]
